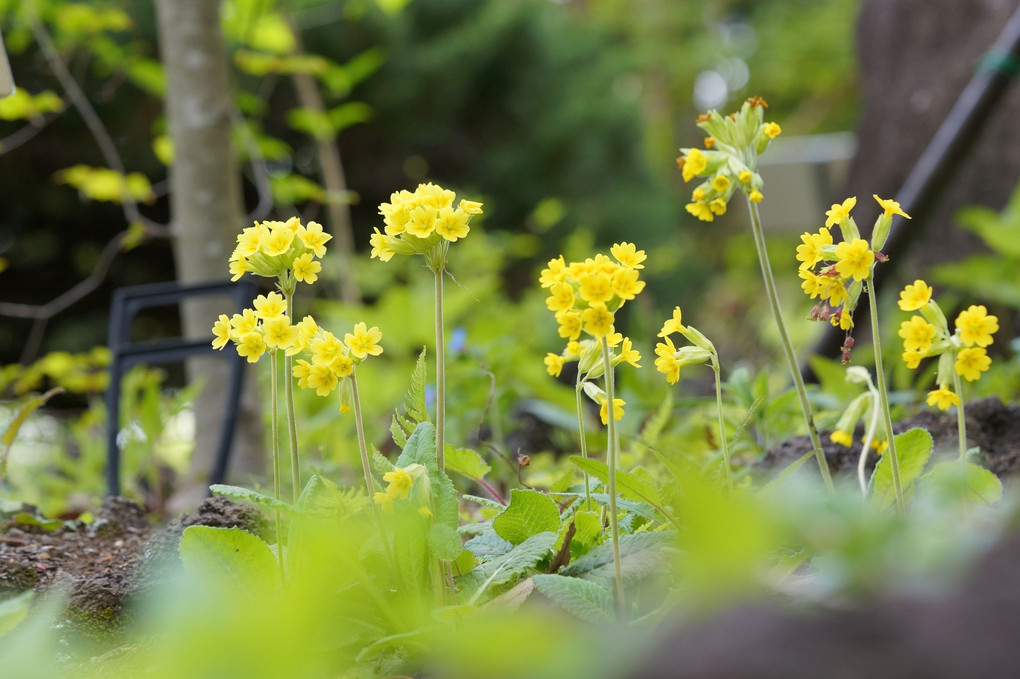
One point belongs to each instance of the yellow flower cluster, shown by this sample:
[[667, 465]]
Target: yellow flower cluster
[[730, 160], [285, 250], [586, 295], [834, 273], [333, 361], [422, 221], [670, 358], [961, 353]]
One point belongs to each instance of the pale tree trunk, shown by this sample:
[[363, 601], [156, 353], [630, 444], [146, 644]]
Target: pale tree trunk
[[206, 210]]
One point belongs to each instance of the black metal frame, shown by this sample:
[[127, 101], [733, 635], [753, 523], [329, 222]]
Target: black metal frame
[[127, 302]]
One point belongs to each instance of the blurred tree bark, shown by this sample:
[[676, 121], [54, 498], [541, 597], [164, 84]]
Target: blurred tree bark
[[206, 207]]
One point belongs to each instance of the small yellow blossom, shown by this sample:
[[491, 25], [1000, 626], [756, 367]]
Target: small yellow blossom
[[306, 269], [322, 379], [570, 324], [277, 242], [890, 207], [772, 130], [943, 399], [970, 363], [221, 332], [595, 288], [755, 196], [914, 296], [854, 259], [700, 210], [243, 323], [400, 483], [382, 246], [626, 284], [720, 183], [912, 359], [270, 306], [717, 206], [553, 273], [314, 238], [251, 346], [452, 224], [843, 438], [674, 324], [471, 207], [628, 255], [744, 177], [917, 334], [976, 326], [561, 297], [597, 320], [364, 341], [618, 404], [695, 163], [554, 364], [839, 212], [809, 252], [628, 354], [326, 348], [278, 333]]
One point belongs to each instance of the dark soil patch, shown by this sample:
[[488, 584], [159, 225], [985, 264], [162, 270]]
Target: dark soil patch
[[991, 426], [100, 564]]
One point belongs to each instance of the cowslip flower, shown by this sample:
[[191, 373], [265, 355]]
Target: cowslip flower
[[364, 341], [976, 327], [618, 404], [943, 398], [914, 296]]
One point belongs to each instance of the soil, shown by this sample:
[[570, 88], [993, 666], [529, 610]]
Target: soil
[[101, 563]]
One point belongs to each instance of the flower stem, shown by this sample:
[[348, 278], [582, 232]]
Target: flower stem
[[288, 381], [612, 455], [961, 419], [362, 446], [883, 391], [584, 443], [722, 427], [276, 454], [440, 372], [791, 357]]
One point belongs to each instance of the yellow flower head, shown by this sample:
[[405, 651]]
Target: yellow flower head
[[278, 333], [695, 163], [243, 323], [301, 370], [400, 483], [755, 196], [843, 438], [570, 324], [809, 252], [943, 399], [452, 224], [270, 306], [471, 207], [251, 346], [914, 296], [628, 255], [717, 206], [597, 320], [423, 221], [700, 210], [554, 364], [322, 379], [277, 242], [382, 246], [626, 284], [561, 297], [618, 404], [720, 183], [221, 332], [314, 238], [890, 207], [970, 363], [248, 240], [595, 288], [912, 359], [306, 269], [772, 130], [674, 324], [839, 212], [326, 348], [239, 267], [976, 326], [744, 177], [628, 354], [553, 273], [364, 341], [854, 259], [917, 334]]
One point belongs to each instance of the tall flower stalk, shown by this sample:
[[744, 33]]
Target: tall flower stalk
[[425, 222], [730, 163]]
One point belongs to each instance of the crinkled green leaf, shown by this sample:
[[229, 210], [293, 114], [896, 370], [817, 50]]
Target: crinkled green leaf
[[640, 554], [502, 569], [488, 545], [466, 462], [249, 495], [231, 557], [529, 513], [629, 486], [913, 449], [964, 481], [444, 542], [587, 600]]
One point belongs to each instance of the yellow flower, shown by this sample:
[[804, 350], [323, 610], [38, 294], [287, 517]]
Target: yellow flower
[[554, 364], [839, 212], [976, 326], [270, 306], [326, 348], [322, 379], [914, 296], [809, 252], [314, 238], [598, 321], [570, 324], [674, 324], [471, 207], [772, 130], [628, 354], [452, 224], [626, 284], [842, 319], [277, 242], [717, 206], [364, 341], [744, 176], [720, 183], [239, 267], [595, 288], [422, 222], [553, 273], [400, 483], [278, 333], [842, 438], [700, 210], [382, 246], [221, 332], [912, 359], [695, 163], [618, 404], [305, 268], [300, 371], [943, 398], [251, 346], [755, 196], [561, 297], [854, 259], [343, 365], [917, 334], [628, 255], [970, 363], [385, 501], [243, 323], [890, 207], [248, 240]]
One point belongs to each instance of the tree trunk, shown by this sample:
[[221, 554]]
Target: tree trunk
[[206, 210]]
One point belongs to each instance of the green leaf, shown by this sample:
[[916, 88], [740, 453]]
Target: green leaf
[[529, 513], [483, 501], [26, 519], [488, 545], [14, 610], [639, 508], [249, 495], [10, 430], [444, 542], [640, 554], [414, 404], [629, 486], [504, 568], [421, 448], [913, 449], [466, 462], [231, 557], [586, 600], [587, 531], [348, 114], [463, 564], [964, 481], [323, 497]]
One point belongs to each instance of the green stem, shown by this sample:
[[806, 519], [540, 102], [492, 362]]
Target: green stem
[[883, 391], [961, 419], [288, 381], [440, 372], [612, 455], [722, 427], [791, 356], [276, 454], [362, 446], [584, 443]]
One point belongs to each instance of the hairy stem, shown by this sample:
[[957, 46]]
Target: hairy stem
[[784, 336], [276, 454], [584, 443], [722, 426], [288, 381], [440, 372], [961, 418], [362, 446], [612, 455], [883, 391]]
